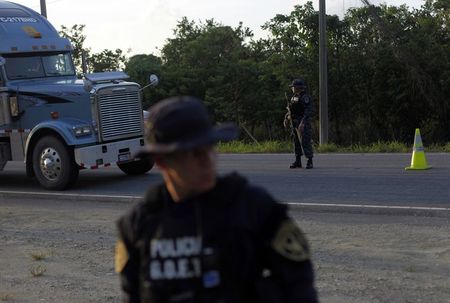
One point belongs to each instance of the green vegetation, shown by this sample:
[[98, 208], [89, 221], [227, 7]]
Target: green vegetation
[[4, 297], [37, 270], [39, 255], [411, 269], [388, 72], [439, 148], [262, 147], [287, 147], [106, 60]]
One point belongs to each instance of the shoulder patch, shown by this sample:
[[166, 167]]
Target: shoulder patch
[[306, 99], [290, 242], [121, 256]]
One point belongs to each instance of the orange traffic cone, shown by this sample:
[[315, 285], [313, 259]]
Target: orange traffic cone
[[418, 160]]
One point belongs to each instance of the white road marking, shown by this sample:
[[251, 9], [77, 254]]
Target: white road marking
[[369, 206], [70, 196], [126, 198]]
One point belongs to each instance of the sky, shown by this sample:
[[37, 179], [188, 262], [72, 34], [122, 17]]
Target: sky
[[143, 26]]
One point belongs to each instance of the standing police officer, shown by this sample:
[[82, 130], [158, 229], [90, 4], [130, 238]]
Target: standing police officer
[[300, 110], [202, 238]]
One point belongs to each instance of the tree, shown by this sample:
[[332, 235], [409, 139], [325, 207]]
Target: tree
[[210, 61], [105, 60], [389, 71], [388, 68], [77, 38], [139, 67]]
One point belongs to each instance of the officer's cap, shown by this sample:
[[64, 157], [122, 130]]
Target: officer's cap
[[182, 123], [298, 83]]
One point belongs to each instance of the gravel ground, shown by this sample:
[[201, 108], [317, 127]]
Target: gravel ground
[[358, 257], [379, 258]]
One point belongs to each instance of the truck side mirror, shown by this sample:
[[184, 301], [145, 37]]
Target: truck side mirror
[[154, 80]]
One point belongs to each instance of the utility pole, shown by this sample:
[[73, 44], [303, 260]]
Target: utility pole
[[323, 75], [43, 8]]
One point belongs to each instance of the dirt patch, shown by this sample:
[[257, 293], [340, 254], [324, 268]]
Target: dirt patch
[[372, 258], [358, 258]]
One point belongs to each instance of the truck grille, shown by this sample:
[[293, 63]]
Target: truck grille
[[120, 113]]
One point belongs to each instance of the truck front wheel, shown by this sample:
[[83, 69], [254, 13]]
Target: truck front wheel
[[138, 167], [53, 164]]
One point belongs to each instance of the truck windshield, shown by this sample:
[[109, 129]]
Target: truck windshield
[[33, 66]]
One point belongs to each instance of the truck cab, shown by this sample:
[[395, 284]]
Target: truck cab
[[54, 122]]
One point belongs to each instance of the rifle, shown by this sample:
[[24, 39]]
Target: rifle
[[294, 129]]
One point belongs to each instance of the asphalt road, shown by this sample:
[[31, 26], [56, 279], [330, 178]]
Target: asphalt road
[[343, 179]]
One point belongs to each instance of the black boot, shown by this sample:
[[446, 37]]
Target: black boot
[[309, 164], [297, 163]]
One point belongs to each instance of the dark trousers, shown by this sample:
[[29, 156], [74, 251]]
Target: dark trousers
[[306, 142]]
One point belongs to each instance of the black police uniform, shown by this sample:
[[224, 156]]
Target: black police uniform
[[231, 244], [302, 109]]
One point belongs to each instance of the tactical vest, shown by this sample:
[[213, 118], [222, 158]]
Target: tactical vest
[[200, 250]]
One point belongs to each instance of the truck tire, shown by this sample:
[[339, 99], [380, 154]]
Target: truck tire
[[138, 167], [53, 164]]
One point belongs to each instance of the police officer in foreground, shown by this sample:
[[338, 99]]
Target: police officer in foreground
[[202, 238], [300, 111]]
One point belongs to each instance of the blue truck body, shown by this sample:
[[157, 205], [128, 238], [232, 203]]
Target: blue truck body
[[52, 120]]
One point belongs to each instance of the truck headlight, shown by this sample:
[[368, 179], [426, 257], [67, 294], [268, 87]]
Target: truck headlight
[[94, 126], [83, 130]]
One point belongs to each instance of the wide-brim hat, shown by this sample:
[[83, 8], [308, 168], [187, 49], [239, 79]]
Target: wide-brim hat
[[180, 124]]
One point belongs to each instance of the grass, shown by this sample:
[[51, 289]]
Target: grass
[[37, 270], [378, 147], [287, 147], [263, 147], [6, 297], [411, 269], [39, 255], [440, 148]]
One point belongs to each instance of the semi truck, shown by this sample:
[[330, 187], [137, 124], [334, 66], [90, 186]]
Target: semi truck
[[54, 121]]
